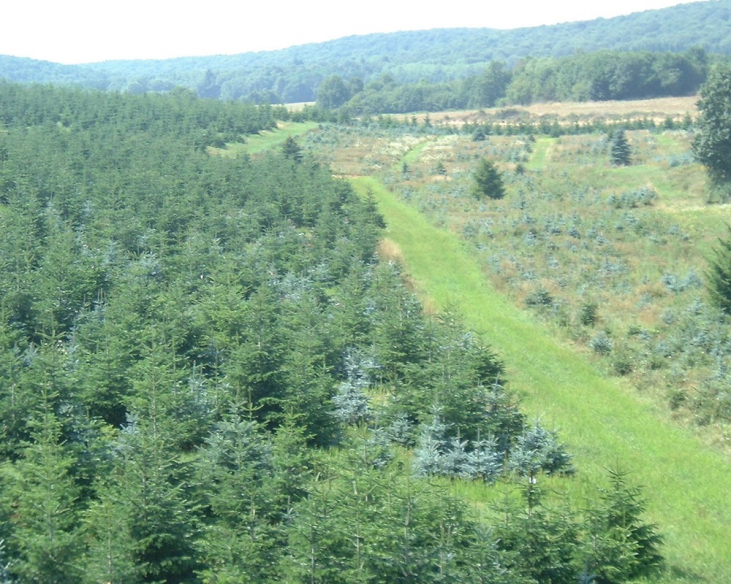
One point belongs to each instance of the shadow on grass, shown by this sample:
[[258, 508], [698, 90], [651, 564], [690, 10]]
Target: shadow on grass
[[683, 575]]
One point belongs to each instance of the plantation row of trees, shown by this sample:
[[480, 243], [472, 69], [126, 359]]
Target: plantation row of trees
[[605, 75], [207, 375], [179, 114], [505, 122]]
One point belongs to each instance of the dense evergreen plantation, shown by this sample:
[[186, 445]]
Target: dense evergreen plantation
[[208, 375]]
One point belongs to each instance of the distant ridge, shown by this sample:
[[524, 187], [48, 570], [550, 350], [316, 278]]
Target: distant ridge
[[293, 74]]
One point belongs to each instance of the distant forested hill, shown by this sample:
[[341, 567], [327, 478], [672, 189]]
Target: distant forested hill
[[437, 56]]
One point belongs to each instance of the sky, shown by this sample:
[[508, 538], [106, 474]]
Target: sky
[[83, 31]]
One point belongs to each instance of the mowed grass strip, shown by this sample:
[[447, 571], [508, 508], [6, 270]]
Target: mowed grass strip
[[540, 152], [604, 422], [271, 138], [265, 140]]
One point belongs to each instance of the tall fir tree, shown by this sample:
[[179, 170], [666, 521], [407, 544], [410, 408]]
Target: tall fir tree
[[719, 275], [241, 535], [45, 533], [620, 545], [488, 182], [620, 151]]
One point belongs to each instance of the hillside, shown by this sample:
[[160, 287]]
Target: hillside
[[214, 362], [209, 373], [602, 419], [293, 74], [588, 278]]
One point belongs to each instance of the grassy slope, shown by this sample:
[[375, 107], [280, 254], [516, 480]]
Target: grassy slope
[[265, 140], [603, 421]]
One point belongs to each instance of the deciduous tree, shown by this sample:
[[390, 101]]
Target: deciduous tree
[[712, 145], [332, 93]]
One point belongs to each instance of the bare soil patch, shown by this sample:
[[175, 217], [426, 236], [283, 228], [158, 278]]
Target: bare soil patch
[[657, 109]]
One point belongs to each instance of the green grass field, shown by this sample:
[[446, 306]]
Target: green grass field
[[265, 140], [540, 152], [603, 420]]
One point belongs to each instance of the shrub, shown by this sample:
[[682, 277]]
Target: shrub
[[540, 297], [587, 313], [538, 449], [602, 343]]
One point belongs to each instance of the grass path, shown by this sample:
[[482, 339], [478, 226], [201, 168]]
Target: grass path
[[270, 138], [413, 155], [540, 152], [265, 140], [687, 485]]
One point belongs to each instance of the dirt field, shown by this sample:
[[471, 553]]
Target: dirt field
[[658, 109]]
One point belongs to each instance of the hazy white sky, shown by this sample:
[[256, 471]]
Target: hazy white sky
[[80, 31]]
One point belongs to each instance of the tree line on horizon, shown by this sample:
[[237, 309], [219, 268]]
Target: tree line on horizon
[[601, 76], [440, 56]]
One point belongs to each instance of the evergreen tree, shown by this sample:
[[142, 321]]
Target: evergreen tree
[[488, 181], [484, 461], [5, 575], [719, 276], [240, 539], [254, 368], [397, 323], [292, 150], [307, 366], [487, 564], [620, 546], [42, 493], [149, 484], [437, 453], [538, 542], [149, 494], [352, 405], [538, 449], [479, 135], [430, 449], [351, 321], [110, 554], [291, 462], [316, 549], [621, 153], [13, 407], [104, 353]]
